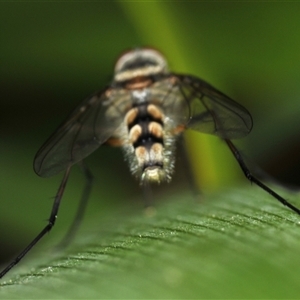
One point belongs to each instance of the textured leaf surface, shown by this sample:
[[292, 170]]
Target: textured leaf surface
[[238, 243]]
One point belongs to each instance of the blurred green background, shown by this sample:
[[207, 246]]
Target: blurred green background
[[55, 54]]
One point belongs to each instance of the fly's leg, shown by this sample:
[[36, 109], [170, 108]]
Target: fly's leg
[[251, 178], [187, 168], [47, 228], [81, 208], [147, 195]]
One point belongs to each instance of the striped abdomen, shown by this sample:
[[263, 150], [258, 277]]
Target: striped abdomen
[[150, 145]]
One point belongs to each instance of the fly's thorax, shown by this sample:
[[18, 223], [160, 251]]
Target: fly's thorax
[[150, 144]]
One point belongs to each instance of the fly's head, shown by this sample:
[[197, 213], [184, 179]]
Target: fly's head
[[139, 63]]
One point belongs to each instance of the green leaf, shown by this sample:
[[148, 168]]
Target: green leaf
[[235, 243]]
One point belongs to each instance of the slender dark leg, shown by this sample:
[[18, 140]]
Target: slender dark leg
[[147, 194], [47, 228], [81, 208], [250, 177], [187, 167]]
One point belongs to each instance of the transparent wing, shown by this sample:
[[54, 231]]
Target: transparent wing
[[212, 112], [87, 127]]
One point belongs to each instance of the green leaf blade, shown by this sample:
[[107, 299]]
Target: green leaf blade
[[238, 243]]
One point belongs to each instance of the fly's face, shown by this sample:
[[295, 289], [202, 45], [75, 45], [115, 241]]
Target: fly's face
[[139, 63]]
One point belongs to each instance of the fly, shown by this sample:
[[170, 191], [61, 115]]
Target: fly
[[144, 110]]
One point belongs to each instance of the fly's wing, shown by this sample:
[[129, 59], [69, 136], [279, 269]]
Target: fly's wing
[[88, 127], [212, 112], [166, 94]]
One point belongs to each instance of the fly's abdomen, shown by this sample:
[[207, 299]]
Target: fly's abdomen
[[150, 145]]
